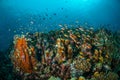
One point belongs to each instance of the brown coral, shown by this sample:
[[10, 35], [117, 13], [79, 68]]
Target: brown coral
[[105, 76], [82, 64]]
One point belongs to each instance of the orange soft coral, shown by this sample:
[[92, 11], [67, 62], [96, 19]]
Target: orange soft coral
[[23, 56]]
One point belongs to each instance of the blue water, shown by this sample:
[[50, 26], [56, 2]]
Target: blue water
[[21, 16]]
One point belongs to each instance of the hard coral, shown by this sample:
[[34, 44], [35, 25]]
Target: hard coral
[[82, 64], [23, 56], [105, 76], [64, 49]]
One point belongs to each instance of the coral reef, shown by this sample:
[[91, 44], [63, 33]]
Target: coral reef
[[75, 53]]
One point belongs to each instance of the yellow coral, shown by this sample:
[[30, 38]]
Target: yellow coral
[[67, 42], [64, 49], [96, 74], [81, 78], [70, 51], [101, 59]]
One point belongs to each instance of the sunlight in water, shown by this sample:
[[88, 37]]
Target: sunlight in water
[[85, 2]]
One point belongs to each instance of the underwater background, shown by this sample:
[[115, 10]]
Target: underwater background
[[20, 16], [59, 39]]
